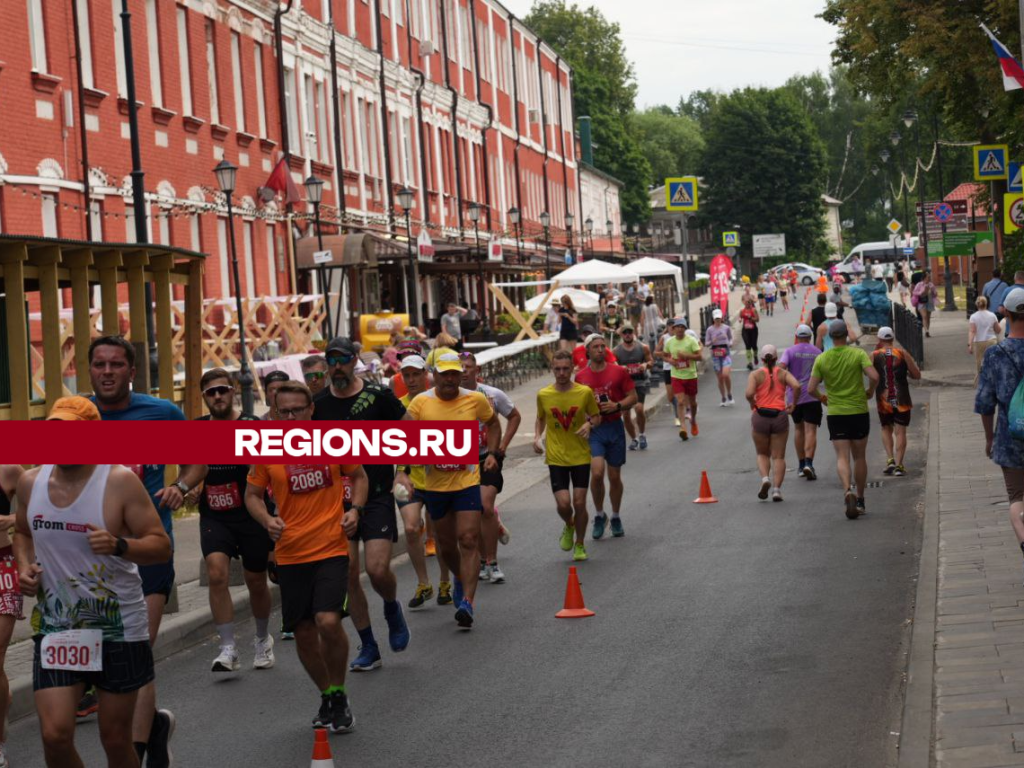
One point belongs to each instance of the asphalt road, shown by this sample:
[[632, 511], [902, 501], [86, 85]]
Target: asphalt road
[[743, 634]]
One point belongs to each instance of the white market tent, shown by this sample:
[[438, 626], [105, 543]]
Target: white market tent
[[584, 301], [595, 272], [649, 267]]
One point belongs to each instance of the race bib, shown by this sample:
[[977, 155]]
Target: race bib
[[346, 483], [635, 369], [8, 575], [449, 467], [719, 351], [78, 650], [223, 497], [306, 478]]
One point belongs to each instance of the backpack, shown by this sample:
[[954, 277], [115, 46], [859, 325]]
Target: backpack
[[1015, 413]]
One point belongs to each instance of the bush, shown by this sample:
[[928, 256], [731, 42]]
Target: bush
[[505, 323]]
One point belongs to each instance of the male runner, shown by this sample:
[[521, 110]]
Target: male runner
[[91, 526], [10, 592], [682, 353], [894, 367], [799, 360], [571, 411], [312, 530], [491, 482], [719, 338], [666, 369], [842, 370], [615, 393], [112, 371], [452, 491], [351, 398], [271, 382], [635, 357], [226, 531], [314, 372]]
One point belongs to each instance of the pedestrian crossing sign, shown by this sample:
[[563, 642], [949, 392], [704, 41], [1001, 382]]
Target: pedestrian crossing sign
[[1016, 180], [681, 194], [991, 162], [730, 239]]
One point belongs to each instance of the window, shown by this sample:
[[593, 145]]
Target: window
[[312, 145], [385, 8], [184, 62], [261, 101], [236, 74], [362, 120], [85, 41], [410, 177], [163, 219], [271, 265], [415, 18], [211, 73], [393, 142], [323, 132], [465, 30], [50, 215], [222, 244], [398, 11], [292, 103], [453, 42], [153, 41], [346, 111], [122, 80], [484, 41], [195, 233], [37, 35]]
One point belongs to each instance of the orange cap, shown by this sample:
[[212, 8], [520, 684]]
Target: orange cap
[[74, 409]]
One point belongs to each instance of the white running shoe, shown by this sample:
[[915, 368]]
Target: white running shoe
[[227, 661], [497, 575], [504, 534], [731, 401], [776, 494], [485, 572], [263, 657], [766, 484], [678, 422]]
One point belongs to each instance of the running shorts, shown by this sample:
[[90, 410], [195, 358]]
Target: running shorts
[[11, 600], [307, 589], [578, 476], [643, 389], [769, 299], [440, 503], [720, 363], [1013, 478], [684, 387], [608, 442], [416, 498], [808, 412], [854, 427], [157, 579], [764, 425], [127, 666], [378, 519], [493, 478], [245, 539], [666, 376], [887, 419], [749, 338]]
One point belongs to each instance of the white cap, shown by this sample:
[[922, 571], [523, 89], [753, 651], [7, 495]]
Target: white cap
[[831, 310], [769, 350], [591, 339], [1014, 300], [716, 314], [803, 331], [886, 333], [413, 361]]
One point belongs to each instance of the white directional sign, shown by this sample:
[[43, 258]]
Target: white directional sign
[[766, 246]]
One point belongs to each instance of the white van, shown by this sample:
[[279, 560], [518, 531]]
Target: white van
[[881, 251]]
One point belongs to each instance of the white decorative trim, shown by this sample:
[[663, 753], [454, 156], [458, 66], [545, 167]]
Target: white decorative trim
[[164, 189], [49, 168], [210, 10], [3, 165], [196, 195], [98, 178], [258, 31], [235, 20]]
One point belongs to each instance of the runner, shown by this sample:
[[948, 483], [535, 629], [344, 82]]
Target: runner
[[571, 411], [579, 353], [682, 352], [271, 382], [452, 492], [314, 373], [893, 401], [227, 531], [818, 314], [112, 371], [615, 393], [491, 481], [749, 318], [311, 529], [784, 292], [761, 281], [405, 348], [825, 340], [719, 338], [822, 284], [567, 333], [651, 322], [10, 591], [799, 360], [666, 370], [770, 291], [636, 357], [92, 526], [349, 397], [767, 392], [842, 370]]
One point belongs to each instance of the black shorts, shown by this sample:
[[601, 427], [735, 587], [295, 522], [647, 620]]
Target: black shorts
[[666, 376], [378, 520], [494, 478], [643, 388], [854, 427], [242, 538], [127, 666], [157, 579], [440, 503], [749, 338], [809, 412], [577, 476], [894, 417], [311, 588]]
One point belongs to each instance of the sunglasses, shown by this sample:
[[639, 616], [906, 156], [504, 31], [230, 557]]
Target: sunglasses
[[314, 375], [465, 354], [293, 412], [333, 360], [218, 389]]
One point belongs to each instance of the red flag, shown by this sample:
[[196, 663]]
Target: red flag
[[281, 182]]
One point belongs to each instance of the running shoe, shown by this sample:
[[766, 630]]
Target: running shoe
[[723, 403], [850, 500], [565, 540], [599, 523], [861, 510], [890, 467], [497, 575], [807, 471], [4, 763], [643, 442], [634, 444], [323, 717], [423, 593], [694, 428], [617, 531], [398, 630], [341, 720], [579, 553], [504, 534], [158, 751], [368, 658], [682, 435], [813, 475], [444, 593], [263, 653], [430, 548], [731, 401], [900, 471], [88, 703], [457, 593], [776, 494], [678, 422], [750, 366], [287, 635], [464, 615], [227, 660], [766, 484], [485, 571]]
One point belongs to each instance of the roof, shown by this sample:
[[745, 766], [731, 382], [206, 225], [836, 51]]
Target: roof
[[969, 191], [584, 166]]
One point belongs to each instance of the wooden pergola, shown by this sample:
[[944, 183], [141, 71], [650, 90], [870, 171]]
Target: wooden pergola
[[43, 266]]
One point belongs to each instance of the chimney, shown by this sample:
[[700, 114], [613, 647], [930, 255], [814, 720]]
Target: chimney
[[586, 145]]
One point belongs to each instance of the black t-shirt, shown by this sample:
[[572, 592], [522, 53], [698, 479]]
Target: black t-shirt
[[223, 493], [817, 318], [373, 403]]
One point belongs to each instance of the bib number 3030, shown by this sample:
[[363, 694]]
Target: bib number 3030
[[79, 650]]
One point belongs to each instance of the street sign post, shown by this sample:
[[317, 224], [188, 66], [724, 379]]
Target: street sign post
[[766, 246], [730, 252], [991, 162], [958, 222], [681, 193], [943, 212], [730, 239]]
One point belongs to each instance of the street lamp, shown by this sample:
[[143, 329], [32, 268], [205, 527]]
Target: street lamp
[[947, 275], [513, 216], [589, 224], [226, 174], [610, 229], [314, 194], [569, 221], [909, 118], [406, 198], [895, 137], [874, 170], [474, 216], [545, 221], [884, 155]]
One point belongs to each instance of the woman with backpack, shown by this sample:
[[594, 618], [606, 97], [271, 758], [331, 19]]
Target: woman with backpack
[[769, 422], [924, 296]]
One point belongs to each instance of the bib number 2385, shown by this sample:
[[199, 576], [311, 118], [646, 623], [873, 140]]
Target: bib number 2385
[[79, 650]]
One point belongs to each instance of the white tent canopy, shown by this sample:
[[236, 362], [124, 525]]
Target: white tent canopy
[[583, 301], [595, 272], [649, 267]]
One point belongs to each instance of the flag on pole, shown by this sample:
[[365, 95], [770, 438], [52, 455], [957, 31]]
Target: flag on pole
[[280, 181], [1013, 72]]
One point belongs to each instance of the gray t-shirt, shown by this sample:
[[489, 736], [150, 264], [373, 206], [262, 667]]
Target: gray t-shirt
[[450, 325]]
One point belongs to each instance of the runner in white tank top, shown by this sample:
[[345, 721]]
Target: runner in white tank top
[[90, 623]]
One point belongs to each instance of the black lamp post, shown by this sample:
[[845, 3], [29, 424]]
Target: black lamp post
[[406, 198], [513, 216], [909, 120], [545, 221], [314, 194], [947, 275], [474, 216], [636, 239], [610, 229], [569, 221], [226, 174], [589, 224]]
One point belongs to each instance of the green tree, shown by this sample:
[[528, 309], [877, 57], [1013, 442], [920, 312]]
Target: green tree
[[672, 143]]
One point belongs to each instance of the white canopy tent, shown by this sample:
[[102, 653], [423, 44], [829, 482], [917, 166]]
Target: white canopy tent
[[648, 267], [583, 301], [595, 272]]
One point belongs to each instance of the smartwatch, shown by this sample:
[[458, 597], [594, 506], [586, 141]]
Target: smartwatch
[[121, 546], [181, 487]]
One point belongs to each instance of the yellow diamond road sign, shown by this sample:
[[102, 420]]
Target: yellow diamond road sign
[[894, 226], [681, 193]]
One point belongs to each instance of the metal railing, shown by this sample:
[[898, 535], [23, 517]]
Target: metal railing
[[972, 296], [909, 332]]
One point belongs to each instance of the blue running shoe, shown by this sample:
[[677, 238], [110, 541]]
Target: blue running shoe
[[617, 527], [459, 595], [643, 442], [464, 616], [599, 523], [398, 631], [368, 658]]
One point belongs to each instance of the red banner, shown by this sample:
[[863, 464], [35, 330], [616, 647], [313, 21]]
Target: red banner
[[721, 269], [238, 442]]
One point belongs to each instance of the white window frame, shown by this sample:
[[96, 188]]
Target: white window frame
[[261, 99], [250, 270], [236, 76], [184, 61], [222, 262], [96, 219], [292, 105], [309, 115], [349, 148], [156, 86], [322, 127], [122, 78], [37, 35], [271, 241], [50, 205], [85, 42], [211, 71], [407, 144]]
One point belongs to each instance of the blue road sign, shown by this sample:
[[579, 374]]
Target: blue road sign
[[681, 194], [908, 251], [943, 212], [990, 162], [1016, 181]]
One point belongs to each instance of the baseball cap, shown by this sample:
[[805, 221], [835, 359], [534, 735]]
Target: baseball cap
[[273, 376], [1014, 300], [716, 314], [341, 344], [74, 408], [679, 321], [591, 339], [804, 331], [627, 327], [837, 329], [448, 362], [886, 333], [831, 310], [587, 330], [414, 361], [769, 350]]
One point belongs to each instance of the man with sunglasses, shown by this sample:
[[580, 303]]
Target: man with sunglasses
[[226, 531], [351, 398], [314, 371], [635, 357]]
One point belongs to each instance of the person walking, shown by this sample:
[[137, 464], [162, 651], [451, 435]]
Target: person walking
[[749, 318], [842, 370], [718, 338], [924, 296], [651, 321], [568, 329], [769, 421], [983, 331], [807, 411], [451, 324], [894, 367]]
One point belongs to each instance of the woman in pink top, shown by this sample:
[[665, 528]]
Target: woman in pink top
[[766, 393]]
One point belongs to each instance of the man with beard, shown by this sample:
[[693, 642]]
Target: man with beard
[[350, 398]]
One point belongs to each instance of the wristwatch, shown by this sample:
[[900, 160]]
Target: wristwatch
[[620, 407], [181, 487], [358, 509], [121, 546]]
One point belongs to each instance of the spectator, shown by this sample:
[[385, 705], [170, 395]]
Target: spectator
[[983, 332], [1018, 281], [452, 326], [314, 371], [567, 333], [924, 296], [273, 380], [994, 288]]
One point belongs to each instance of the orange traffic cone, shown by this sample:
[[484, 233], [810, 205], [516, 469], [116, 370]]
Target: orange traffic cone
[[321, 750], [705, 491], [574, 607]]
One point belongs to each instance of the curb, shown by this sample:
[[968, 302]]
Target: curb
[[915, 744]]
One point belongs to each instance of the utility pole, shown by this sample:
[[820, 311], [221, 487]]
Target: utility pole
[[947, 275]]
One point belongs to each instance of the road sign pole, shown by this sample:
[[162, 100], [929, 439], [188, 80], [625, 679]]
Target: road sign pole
[[686, 272], [947, 274], [992, 214]]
